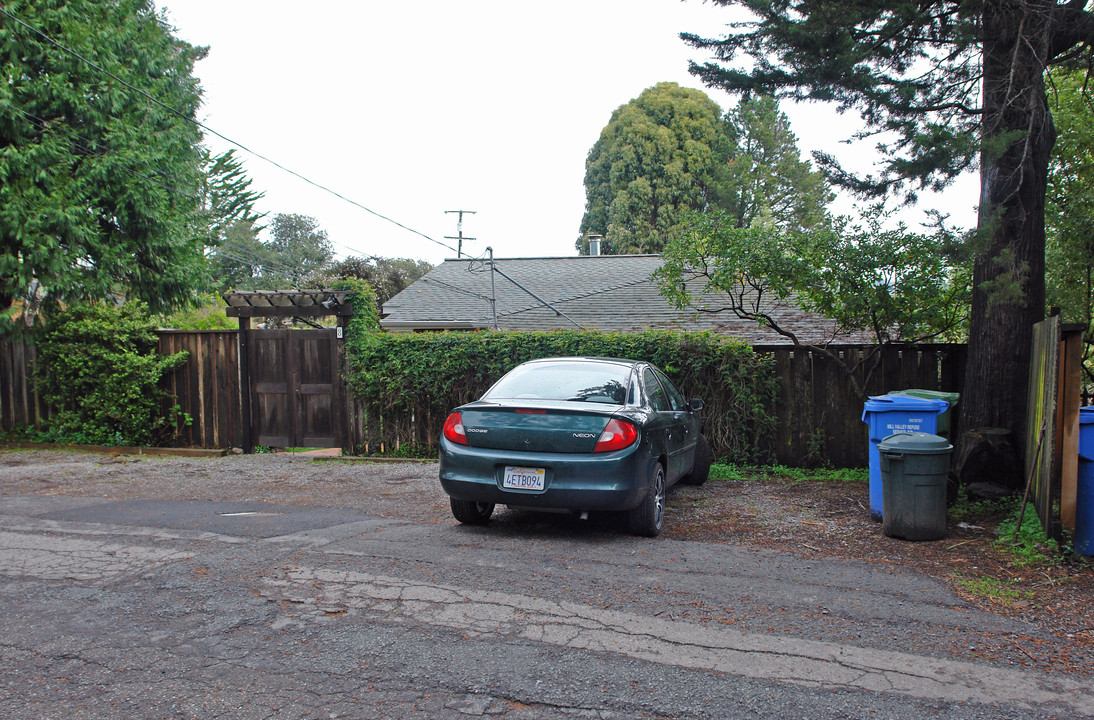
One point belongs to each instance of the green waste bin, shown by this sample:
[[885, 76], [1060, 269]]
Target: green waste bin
[[914, 467], [944, 422]]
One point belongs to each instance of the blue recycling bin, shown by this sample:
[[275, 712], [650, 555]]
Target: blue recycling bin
[[1084, 498], [890, 414]]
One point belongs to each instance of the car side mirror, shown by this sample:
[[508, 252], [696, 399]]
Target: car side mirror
[[695, 405]]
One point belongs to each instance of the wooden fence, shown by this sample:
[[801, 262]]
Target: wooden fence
[[818, 414], [1052, 424], [19, 401], [206, 388]]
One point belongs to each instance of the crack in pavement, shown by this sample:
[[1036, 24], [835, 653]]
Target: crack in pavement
[[677, 643], [69, 527], [54, 558], [307, 595]]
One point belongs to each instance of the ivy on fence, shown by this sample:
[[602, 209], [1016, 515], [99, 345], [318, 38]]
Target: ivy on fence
[[403, 379]]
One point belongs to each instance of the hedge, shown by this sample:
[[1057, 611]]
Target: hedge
[[414, 379]]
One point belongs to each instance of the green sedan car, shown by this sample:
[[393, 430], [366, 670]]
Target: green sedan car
[[574, 434]]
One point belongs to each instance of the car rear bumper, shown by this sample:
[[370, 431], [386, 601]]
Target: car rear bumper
[[586, 481]]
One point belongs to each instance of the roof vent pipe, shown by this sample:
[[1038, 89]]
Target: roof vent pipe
[[594, 244]]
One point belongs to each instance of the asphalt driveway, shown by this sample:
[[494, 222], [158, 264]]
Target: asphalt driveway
[[264, 587]]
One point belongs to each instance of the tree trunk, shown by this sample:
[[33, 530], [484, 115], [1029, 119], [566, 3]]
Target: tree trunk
[[1008, 279]]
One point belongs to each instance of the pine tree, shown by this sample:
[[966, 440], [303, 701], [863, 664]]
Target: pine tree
[[956, 84], [99, 185]]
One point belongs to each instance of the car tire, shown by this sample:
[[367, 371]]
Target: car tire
[[470, 512], [700, 471], [648, 518]]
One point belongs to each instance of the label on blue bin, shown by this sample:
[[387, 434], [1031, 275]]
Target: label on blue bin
[[911, 424]]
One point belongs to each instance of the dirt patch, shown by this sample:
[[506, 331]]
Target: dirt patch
[[811, 519], [830, 519]]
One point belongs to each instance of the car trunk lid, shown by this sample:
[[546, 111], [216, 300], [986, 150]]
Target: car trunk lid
[[563, 427]]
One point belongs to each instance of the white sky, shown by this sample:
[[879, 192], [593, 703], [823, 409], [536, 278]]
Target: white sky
[[417, 107]]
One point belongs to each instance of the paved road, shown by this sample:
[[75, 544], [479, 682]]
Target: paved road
[[171, 609]]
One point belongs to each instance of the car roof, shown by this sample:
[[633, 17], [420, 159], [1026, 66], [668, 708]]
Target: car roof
[[589, 359]]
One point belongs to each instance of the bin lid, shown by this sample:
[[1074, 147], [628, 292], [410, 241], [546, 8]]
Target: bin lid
[[1086, 434], [890, 403], [951, 397], [915, 443]]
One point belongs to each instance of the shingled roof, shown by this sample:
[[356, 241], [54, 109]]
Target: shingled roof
[[605, 292]]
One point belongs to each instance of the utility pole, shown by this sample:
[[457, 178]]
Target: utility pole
[[459, 230]]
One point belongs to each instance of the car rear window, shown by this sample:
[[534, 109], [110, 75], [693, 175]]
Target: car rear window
[[588, 382]]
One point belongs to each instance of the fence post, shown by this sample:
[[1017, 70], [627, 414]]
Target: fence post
[[1067, 446], [245, 384]]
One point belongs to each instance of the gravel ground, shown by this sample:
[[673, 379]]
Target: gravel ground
[[392, 490], [814, 519]]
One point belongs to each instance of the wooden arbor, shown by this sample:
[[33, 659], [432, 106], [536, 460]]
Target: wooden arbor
[[300, 304], [290, 380]]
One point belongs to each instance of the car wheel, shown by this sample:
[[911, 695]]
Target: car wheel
[[470, 512], [701, 469], [649, 517]]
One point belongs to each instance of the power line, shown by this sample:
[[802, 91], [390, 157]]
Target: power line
[[226, 249], [100, 150], [450, 286], [253, 261], [92, 152], [201, 125]]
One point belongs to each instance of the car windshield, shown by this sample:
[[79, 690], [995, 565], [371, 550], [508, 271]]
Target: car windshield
[[579, 382]]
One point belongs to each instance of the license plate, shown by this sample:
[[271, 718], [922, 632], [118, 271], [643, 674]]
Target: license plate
[[523, 478]]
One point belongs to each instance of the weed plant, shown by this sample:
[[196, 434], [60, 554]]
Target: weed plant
[[998, 590], [410, 451], [733, 472], [1032, 547]]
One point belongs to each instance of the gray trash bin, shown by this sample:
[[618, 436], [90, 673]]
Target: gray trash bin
[[914, 467]]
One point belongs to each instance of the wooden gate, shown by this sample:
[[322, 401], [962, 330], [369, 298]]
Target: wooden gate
[[295, 397], [290, 380]]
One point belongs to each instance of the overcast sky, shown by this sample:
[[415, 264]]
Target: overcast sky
[[412, 109]]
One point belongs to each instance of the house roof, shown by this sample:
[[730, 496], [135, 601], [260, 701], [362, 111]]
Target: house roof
[[605, 292]]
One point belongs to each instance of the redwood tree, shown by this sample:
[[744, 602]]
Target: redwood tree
[[945, 86]]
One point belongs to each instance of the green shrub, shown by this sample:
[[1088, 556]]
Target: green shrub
[[409, 382], [210, 315], [99, 368], [365, 317]]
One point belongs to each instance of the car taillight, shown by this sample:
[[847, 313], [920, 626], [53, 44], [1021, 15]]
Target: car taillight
[[453, 429], [617, 435]]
